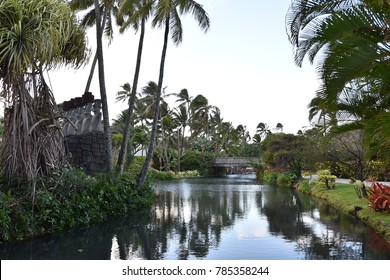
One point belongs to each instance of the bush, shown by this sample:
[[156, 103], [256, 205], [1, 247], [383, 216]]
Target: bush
[[304, 186], [186, 174], [286, 180], [67, 199], [155, 175], [379, 197], [325, 178], [270, 177]]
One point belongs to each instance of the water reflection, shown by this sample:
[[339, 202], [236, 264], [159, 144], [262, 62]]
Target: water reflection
[[226, 218]]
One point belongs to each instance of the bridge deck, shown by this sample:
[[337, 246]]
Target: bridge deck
[[234, 161]]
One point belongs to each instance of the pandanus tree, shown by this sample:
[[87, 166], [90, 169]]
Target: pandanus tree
[[167, 15], [35, 36]]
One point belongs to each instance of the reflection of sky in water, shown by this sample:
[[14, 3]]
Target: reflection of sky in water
[[249, 238], [228, 218]]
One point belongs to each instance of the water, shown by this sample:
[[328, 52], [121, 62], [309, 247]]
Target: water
[[221, 218]]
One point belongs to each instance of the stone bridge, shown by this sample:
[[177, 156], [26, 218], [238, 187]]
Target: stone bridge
[[234, 163]]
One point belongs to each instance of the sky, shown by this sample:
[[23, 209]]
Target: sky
[[243, 65]]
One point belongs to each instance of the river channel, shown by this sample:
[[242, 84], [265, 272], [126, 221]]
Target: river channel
[[233, 217]]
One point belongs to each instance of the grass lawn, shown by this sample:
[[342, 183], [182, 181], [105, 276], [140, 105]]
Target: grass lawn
[[344, 197]]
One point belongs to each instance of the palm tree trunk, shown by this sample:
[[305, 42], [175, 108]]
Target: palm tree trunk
[[91, 72], [102, 85], [152, 144], [129, 119], [95, 58]]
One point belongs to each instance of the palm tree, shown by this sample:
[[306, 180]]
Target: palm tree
[[185, 99], [138, 12], [102, 86], [34, 35], [180, 115], [108, 10], [350, 39], [124, 94], [279, 126], [263, 130], [167, 15], [201, 112]]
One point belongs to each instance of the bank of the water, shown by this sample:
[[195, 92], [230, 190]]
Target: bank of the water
[[68, 200], [344, 198]]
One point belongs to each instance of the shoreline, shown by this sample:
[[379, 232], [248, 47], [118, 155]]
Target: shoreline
[[379, 221]]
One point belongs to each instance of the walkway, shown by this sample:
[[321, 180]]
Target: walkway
[[340, 180]]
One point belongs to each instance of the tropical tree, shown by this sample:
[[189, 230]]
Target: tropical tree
[[350, 41], [102, 86], [137, 13], [279, 127], [180, 115], [108, 11], [167, 15], [284, 152], [35, 36], [184, 98], [263, 130]]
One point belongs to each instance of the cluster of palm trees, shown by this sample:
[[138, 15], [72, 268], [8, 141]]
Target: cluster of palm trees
[[134, 13], [190, 123], [38, 35], [349, 41]]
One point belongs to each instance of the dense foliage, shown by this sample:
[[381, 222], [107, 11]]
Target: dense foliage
[[69, 198], [379, 197]]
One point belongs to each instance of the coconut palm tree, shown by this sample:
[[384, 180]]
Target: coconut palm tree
[[184, 98], [137, 14], [167, 15], [279, 127], [102, 86], [35, 35], [108, 10], [263, 130], [180, 115]]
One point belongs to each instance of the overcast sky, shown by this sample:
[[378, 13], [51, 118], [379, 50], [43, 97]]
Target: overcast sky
[[244, 65]]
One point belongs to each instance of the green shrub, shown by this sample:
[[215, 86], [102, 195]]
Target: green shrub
[[67, 199], [155, 175], [304, 186], [326, 179], [187, 174], [270, 177], [286, 180]]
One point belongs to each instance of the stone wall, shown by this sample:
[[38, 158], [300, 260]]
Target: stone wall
[[84, 138], [88, 151]]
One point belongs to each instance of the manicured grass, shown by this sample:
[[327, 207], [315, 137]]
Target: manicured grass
[[344, 197]]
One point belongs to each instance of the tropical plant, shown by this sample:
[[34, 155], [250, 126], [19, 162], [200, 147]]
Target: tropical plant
[[201, 112], [35, 36], [285, 152], [349, 41], [137, 13], [102, 86], [167, 15], [379, 197], [279, 127], [263, 130], [108, 10]]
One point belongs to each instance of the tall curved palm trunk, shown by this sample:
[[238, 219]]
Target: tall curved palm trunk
[[168, 16], [129, 119], [152, 144], [102, 85]]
